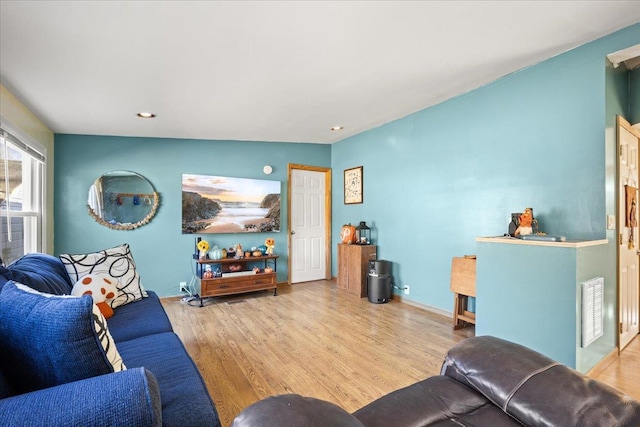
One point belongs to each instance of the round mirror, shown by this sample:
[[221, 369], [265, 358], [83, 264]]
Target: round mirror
[[122, 200]]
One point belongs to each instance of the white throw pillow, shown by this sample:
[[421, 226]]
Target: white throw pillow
[[115, 262]]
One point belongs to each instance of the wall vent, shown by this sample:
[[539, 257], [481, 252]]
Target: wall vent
[[592, 310]]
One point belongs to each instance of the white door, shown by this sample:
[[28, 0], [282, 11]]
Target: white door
[[628, 294], [308, 213]]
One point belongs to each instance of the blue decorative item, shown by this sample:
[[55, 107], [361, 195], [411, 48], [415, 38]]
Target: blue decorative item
[[215, 253], [263, 249], [136, 199]]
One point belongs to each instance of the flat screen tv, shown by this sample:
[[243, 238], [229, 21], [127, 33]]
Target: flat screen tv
[[220, 204]]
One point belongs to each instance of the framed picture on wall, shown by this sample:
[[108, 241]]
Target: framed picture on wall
[[353, 185]]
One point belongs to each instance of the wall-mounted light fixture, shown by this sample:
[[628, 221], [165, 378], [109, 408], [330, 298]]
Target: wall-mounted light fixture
[[267, 169]]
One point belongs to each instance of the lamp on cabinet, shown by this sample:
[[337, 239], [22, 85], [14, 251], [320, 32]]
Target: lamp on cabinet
[[363, 234]]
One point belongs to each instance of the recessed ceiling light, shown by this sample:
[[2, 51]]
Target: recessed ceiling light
[[337, 128], [146, 115]]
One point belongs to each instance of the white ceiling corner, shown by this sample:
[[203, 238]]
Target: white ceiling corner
[[273, 71]]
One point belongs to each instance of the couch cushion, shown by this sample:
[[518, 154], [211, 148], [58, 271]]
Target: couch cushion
[[138, 319], [519, 380], [585, 402], [295, 410], [185, 400], [436, 401], [5, 275], [49, 340], [42, 272], [116, 262], [6, 389]]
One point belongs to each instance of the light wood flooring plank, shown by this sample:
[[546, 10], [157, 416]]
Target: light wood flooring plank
[[315, 340], [311, 339], [624, 372]]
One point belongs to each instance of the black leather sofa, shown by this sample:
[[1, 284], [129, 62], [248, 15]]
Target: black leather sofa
[[484, 381]]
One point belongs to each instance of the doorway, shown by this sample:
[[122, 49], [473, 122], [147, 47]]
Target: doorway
[[628, 243], [309, 223]]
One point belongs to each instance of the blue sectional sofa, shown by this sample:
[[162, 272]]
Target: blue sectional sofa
[[51, 377]]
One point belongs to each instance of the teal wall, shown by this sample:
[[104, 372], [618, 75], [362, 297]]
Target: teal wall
[[532, 295], [433, 181], [162, 253], [437, 179], [527, 294], [634, 95], [589, 265]]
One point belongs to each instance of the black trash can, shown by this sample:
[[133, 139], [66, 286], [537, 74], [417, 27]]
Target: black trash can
[[379, 283]]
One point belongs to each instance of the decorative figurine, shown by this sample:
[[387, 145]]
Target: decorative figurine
[[270, 244], [203, 247], [348, 234], [526, 221], [215, 253], [207, 274]]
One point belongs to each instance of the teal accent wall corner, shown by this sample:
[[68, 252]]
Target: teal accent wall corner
[[543, 137], [532, 295], [438, 178], [162, 253], [527, 294], [589, 265]]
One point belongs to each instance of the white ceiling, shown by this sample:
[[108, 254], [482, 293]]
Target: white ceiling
[[273, 70]]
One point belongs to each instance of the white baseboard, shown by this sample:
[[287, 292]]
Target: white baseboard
[[430, 308]]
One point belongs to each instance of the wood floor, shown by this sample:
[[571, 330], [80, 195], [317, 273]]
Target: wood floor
[[624, 373], [315, 340], [311, 339]]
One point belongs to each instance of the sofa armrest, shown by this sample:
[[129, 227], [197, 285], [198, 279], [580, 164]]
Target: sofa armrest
[[294, 410], [126, 398], [534, 389]]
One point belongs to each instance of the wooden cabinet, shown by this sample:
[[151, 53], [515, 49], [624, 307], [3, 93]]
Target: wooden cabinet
[[353, 264], [238, 282]]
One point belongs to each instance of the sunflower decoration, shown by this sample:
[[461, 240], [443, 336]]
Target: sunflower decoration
[[203, 247]]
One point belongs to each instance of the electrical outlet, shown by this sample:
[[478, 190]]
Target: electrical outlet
[[183, 287], [406, 289]]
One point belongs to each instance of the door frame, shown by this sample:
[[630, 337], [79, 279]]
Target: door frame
[[621, 122], [327, 215]]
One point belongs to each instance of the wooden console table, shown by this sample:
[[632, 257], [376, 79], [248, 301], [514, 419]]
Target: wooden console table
[[230, 283]]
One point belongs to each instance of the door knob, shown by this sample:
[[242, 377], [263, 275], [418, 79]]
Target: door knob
[[293, 232]]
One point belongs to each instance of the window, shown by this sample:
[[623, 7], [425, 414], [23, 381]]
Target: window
[[22, 177]]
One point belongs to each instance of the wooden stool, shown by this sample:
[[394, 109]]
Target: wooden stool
[[463, 286]]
